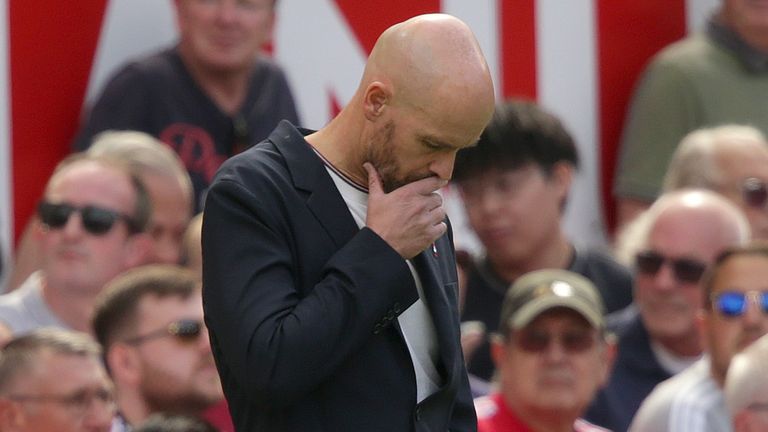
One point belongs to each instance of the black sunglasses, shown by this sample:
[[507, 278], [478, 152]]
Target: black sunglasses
[[755, 192], [685, 269], [186, 330], [536, 341], [95, 220], [734, 303]]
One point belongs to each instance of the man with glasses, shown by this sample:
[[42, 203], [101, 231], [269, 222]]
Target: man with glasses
[[94, 213], [731, 160], [746, 388], [670, 246], [150, 322], [53, 380], [551, 355], [735, 314]]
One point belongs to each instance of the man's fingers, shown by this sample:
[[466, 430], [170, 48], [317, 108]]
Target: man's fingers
[[426, 185]]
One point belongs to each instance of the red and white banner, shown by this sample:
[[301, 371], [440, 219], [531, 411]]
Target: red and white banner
[[579, 58]]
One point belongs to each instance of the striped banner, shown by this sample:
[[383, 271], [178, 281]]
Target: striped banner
[[579, 58]]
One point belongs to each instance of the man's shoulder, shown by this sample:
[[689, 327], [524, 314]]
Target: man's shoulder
[[690, 393], [687, 55], [598, 262]]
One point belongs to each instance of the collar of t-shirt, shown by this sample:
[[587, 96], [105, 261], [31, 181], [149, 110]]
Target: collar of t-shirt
[[753, 59], [671, 362]]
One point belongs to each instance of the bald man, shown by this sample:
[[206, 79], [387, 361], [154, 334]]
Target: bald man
[[328, 266]]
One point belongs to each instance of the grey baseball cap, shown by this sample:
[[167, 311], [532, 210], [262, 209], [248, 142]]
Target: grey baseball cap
[[541, 290]]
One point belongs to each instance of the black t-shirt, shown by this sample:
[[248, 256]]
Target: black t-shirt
[[157, 95]]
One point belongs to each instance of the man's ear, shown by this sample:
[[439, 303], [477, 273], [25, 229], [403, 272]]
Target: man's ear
[[610, 351], [562, 175], [138, 250], [498, 350], [124, 364], [375, 99], [12, 416]]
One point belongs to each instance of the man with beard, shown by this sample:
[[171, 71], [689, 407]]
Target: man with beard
[[329, 272], [735, 314], [150, 322]]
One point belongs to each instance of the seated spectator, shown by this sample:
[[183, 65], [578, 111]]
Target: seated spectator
[[709, 78], [671, 245], [170, 191], [174, 423], [551, 355], [515, 185], [94, 215], [208, 97], [150, 322], [167, 182], [746, 388], [731, 160], [53, 380], [734, 315]]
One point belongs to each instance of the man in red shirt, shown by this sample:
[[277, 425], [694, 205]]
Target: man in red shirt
[[551, 355]]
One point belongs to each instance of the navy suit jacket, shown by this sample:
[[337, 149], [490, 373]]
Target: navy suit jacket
[[302, 305]]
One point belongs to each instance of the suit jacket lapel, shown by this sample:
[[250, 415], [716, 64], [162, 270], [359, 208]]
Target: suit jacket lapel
[[309, 174], [437, 302]]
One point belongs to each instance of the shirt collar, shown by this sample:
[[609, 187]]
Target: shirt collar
[[754, 60]]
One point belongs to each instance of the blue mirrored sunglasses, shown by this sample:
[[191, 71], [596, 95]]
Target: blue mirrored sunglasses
[[734, 303]]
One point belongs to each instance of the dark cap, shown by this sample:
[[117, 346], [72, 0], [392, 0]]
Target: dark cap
[[541, 290]]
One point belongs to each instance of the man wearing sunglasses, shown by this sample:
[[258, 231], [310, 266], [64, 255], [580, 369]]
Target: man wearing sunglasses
[[551, 355], [53, 380], [670, 246], [734, 315], [731, 160], [94, 213], [150, 322]]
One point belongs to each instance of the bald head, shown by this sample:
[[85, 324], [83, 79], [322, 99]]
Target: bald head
[[431, 60]]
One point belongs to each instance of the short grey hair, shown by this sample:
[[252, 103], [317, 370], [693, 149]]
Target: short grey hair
[[20, 355], [694, 162], [144, 154]]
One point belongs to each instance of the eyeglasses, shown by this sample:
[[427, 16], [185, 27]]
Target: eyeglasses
[[734, 303], [186, 330], [537, 341], [95, 220], [757, 406], [685, 269], [77, 402], [755, 192]]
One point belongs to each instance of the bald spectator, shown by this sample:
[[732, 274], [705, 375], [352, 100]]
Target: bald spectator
[[53, 380], [734, 316], [731, 160], [209, 96], [670, 247], [150, 322], [94, 215], [746, 387]]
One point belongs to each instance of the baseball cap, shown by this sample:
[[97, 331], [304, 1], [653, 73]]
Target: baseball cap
[[541, 290]]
